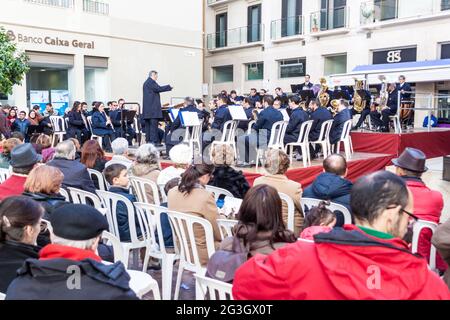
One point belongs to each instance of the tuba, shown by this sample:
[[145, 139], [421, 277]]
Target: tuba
[[384, 95], [359, 104], [334, 106], [324, 96]]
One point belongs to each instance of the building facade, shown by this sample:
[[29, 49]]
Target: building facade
[[97, 51], [264, 44]]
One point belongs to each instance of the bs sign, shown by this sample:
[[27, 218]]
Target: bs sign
[[395, 56]]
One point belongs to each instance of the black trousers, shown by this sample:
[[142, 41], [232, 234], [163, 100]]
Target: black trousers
[[363, 117], [151, 131], [382, 120]]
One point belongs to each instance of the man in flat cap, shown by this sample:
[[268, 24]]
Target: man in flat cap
[[69, 268], [428, 204]]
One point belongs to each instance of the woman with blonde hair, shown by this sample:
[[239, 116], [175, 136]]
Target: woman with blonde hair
[[276, 166], [5, 156]]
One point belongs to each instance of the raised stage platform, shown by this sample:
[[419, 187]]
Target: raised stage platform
[[434, 144]]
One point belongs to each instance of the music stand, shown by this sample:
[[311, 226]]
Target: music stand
[[126, 117], [295, 88], [307, 95], [338, 95]]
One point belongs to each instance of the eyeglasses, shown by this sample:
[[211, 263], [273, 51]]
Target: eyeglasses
[[407, 212]]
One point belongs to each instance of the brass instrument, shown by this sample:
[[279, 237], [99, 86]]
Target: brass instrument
[[304, 106], [255, 114], [324, 96], [334, 106], [359, 104], [384, 94]]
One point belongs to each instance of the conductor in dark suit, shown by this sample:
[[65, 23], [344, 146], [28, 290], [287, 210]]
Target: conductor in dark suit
[[151, 106]]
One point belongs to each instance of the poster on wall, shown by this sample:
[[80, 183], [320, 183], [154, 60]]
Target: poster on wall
[[40, 98], [60, 101]]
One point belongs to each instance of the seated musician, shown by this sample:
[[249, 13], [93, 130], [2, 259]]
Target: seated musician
[[248, 108], [344, 114], [319, 115], [366, 110], [77, 124], [297, 118], [390, 109], [234, 98], [116, 118], [221, 116], [405, 100], [254, 97], [248, 144], [203, 114], [102, 126]]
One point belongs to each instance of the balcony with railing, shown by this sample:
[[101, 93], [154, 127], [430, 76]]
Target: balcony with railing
[[290, 28], [96, 7], [377, 13], [236, 38], [53, 3], [330, 21], [212, 3]]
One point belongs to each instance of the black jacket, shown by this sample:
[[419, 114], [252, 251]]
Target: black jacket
[[12, 256], [49, 279], [75, 121], [227, 178], [75, 174], [221, 116], [319, 117], [297, 118], [266, 119], [338, 125], [151, 104]]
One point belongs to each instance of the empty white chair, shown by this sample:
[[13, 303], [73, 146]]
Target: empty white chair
[[152, 214], [102, 184], [142, 283], [324, 138], [4, 174], [417, 229], [110, 201], [93, 136], [140, 188], [309, 203], [183, 228], [397, 124], [213, 289], [87, 198], [228, 136], [291, 210], [65, 194], [218, 192], [250, 125], [303, 143], [276, 140], [193, 137], [346, 140], [226, 227], [59, 129], [140, 135]]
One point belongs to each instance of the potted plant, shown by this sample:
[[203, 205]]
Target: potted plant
[[315, 24]]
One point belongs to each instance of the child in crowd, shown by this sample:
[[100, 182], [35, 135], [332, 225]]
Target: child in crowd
[[21, 124], [117, 177], [318, 220]]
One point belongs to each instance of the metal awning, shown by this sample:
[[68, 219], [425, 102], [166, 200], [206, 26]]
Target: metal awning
[[419, 71]]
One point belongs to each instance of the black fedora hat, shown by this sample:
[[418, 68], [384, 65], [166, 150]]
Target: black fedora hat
[[411, 159], [24, 155]]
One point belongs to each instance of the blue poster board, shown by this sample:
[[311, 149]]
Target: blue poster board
[[40, 98], [60, 101]]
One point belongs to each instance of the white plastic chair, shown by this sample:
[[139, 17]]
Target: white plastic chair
[[142, 283], [309, 202], [214, 289], [162, 192], [140, 187], [59, 129], [193, 136], [65, 194], [228, 136], [93, 136], [291, 210], [84, 197], [218, 192], [250, 125], [183, 228], [346, 140], [2, 296], [99, 177], [139, 133], [324, 138], [110, 201], [417, 229], [226, 227], [4, 174], [49, 225], [276, 140], [397, 124], [303, 143], [114, 241]]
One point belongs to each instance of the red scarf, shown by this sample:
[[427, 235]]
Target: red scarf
[[56, 251]]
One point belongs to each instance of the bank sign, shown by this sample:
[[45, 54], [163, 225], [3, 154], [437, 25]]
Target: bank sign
[[50, 41], [395, 56]]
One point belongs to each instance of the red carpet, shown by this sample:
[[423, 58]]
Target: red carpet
[[434, 144]]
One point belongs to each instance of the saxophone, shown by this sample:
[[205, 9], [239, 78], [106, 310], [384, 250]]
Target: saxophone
[[324, 97], [358, 103], [384, 95]]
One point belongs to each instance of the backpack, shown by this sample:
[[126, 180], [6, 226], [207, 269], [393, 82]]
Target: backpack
[[222, 265]]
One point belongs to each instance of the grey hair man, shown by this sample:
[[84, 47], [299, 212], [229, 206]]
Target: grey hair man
[[120, 153]]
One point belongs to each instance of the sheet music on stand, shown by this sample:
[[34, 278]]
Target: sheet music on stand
[[189, 119], [237, 113], [173, 114], [285, 114]]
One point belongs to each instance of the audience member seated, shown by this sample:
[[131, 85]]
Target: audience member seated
[[23, 159], [147, 166], [428, 204], [260, 229], [47, 151], [78, 126], [441, 240], [277, 164], [77, 145], [33, 127], [319, 219], [344, 114], [117, 177], [5, 156], [18, 135], [225, 177], [181, 157], [20, 219], [371, 254], [120, 153], [102, 126], [21, 124], [191, 197], [75, 173], [93, 156], [331, 185], [76, 234], [5, 129]]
